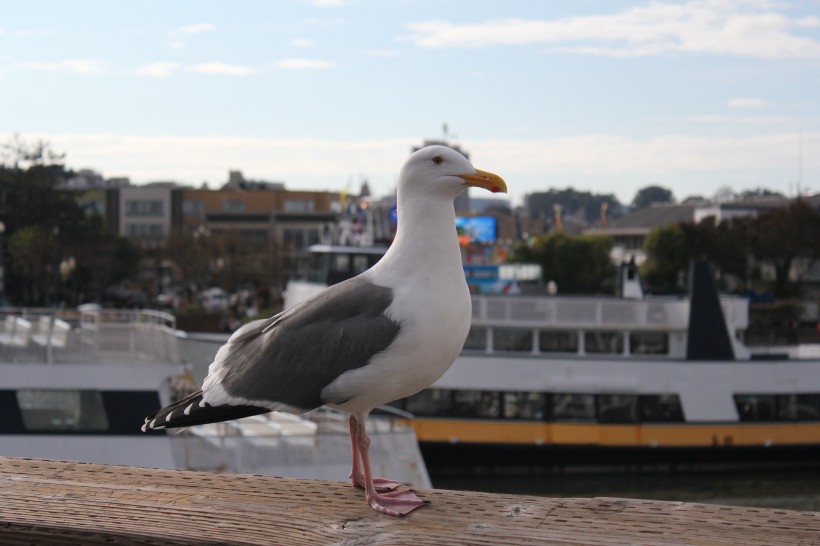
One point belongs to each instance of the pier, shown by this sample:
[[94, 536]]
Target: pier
[[60, 503]]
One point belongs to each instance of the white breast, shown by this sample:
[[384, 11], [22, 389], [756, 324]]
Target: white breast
[[434, 315]]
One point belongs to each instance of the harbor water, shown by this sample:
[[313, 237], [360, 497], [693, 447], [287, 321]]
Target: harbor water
[[786, 488]]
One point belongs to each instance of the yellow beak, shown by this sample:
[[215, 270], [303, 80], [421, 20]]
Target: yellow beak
[[488, 181]]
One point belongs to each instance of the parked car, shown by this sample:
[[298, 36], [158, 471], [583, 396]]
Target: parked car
[[214, 299]]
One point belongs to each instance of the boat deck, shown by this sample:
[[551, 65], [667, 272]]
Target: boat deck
[[53, 502]]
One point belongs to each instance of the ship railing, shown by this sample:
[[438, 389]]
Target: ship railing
[[248, 444], [579, 312], [87, 334]]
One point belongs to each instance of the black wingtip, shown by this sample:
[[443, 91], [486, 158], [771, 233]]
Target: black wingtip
[[192, 410]]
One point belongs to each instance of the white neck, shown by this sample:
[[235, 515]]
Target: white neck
[[431, 221]]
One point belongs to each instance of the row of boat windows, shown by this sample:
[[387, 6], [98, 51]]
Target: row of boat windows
[[778, 407], [540, 406], [566, 341], [44, 411], [602, 408]]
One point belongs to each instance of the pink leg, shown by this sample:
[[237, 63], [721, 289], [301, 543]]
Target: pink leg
[[396, 503], [356, 476]]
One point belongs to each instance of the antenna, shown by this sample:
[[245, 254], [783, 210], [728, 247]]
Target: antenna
[[444, 131], [800, 163]]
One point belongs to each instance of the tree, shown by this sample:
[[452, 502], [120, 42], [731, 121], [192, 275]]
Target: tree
[[724, 193], [758, 193], [584, 204], [46, 225], [223, 260], [668, 257], [32, 252], [578, 264], [783, 235], [724, 245], [784, 238], [652, 194], [19, 154]]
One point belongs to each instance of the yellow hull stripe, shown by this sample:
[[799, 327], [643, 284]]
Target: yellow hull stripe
[[627, 435]]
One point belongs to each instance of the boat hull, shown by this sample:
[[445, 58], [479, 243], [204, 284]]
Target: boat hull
[[442, 458]]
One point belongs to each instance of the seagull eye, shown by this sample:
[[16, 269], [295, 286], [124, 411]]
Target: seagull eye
[[437, 160]]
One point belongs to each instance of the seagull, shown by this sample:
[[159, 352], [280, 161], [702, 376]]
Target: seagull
[[383, 335]]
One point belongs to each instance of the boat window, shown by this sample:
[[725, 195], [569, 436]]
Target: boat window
[[62, 410], [617, 408], [476, 339], [360, 263], [798, 407], [558, 341], [787, 407], [604, 342], [318, 267], [476, 404], [649, 343], [339, 269], [372, 259], [573, 407], [756, 407], [660, 408], [808, 407], [430, 403], [525, 405], [341, 263], [507, 339]]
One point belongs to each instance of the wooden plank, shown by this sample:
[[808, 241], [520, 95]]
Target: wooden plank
[[59, 503]]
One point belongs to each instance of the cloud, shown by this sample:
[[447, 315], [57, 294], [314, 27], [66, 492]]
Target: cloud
[[382, 53], [313, 163], [606, 154], [301, 42], [77, 66], [772, 120], [157, 70], [744, 102], [303, 64], [29, 33], [220, 68], [600, 162], [192, 29], [743, 28]]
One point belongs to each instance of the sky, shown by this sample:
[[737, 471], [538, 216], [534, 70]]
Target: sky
[[602, 96]]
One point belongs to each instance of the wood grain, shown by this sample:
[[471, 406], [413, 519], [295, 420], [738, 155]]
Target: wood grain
[[59, 503]]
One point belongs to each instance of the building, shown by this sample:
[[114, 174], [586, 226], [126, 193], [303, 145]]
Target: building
[[143, 213], [274, 220], [630, 230]]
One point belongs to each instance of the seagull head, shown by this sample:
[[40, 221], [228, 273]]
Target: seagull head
[[439, 170]]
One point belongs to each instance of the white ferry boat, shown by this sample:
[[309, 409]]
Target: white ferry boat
[[563, 380], [77, 385]]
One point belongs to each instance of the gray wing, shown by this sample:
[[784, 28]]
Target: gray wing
[[290, 358]]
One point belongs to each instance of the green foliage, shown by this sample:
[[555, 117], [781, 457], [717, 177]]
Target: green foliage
[[778, 237], [783, 235], [45, 226], [652, 194], [265, 313], [579, 264], [667, 256], [30, 253], [223, 260], [584, 204]]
